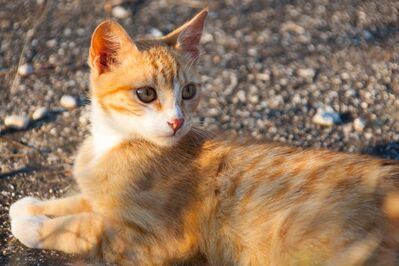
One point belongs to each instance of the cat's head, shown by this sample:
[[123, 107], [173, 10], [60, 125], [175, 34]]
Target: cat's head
[[146, 89]]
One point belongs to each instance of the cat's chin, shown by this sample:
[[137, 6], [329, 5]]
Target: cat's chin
[[166, 140]]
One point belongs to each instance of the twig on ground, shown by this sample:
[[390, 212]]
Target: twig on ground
[[29, 35], [21, 145]]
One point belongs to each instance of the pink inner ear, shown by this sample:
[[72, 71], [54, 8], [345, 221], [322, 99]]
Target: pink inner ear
[[104, 54], [189, 41]]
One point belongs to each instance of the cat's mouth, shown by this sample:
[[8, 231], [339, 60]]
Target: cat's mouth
[[172, 138]]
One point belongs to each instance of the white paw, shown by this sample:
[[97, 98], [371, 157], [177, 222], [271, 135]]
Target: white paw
[[27, 229], [21, 207]]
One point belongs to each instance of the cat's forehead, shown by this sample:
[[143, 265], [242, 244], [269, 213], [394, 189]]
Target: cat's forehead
[[163, 64]]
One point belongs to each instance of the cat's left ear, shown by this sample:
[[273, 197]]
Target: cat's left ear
[[187, 37]]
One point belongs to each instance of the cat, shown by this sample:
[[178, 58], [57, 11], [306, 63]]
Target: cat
[[155, 190]]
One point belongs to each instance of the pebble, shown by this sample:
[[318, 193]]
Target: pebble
[[241, 96], [367, 35], [16, 121], [293, 27], [156, 32], [67, 31], [306, 73], [25, 69], [83, 120], [85, 115], [252, 52], [68, 101], [359, 124], [345, 76], [51, 43], [326, 117], [39, 113], [263, 76], [206, 37], [213, 111], [120, 12], [253, 99]]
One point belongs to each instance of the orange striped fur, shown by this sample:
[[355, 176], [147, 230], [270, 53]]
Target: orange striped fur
[[151, 195]]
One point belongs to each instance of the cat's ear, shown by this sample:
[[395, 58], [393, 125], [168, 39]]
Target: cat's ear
[[187, 37], [110, 44]]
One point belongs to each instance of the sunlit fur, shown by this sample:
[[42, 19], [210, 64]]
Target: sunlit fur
[[196, 198]]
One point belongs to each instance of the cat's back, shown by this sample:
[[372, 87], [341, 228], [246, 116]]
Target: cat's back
[[284, 204]]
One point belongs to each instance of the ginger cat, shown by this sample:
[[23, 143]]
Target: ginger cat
[[157, 191]]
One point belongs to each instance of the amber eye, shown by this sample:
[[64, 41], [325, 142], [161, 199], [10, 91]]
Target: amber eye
[[188, 91], [146, 94]]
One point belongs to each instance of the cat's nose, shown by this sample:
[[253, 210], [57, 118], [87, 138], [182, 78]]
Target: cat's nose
[[175, 124]]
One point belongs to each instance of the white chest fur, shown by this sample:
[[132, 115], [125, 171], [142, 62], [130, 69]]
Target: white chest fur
[[104, 137]]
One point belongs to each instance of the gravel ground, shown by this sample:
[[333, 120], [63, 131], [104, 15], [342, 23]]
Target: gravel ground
[[268, 67]]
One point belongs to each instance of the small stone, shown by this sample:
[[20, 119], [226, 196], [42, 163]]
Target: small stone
[[213, 112], [367, 35], [156, 32], [39, 113], [51, 43], [359, 124], [306, 73], [81, 31], [67, 31], [296, 99], [326, 117], [346, 129], [206, 37], [241, 96], [68, 101], [253, 99], [16, 121], [83, 120], [345, 76], [263, 76], [293, 27], [120, 12], [25, 69], [252, 52], [53, 131]]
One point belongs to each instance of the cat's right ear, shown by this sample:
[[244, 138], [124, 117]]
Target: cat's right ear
[[110, 44]]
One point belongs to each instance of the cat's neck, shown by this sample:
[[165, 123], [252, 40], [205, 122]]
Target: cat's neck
[[104, 137]]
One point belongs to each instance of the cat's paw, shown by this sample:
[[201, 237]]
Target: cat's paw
[[21, 207], [27, 229]]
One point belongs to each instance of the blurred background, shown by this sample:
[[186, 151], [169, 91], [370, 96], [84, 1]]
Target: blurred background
[[317, 73]]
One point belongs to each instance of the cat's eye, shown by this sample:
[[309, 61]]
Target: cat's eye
[[189, 91], [146, 94]]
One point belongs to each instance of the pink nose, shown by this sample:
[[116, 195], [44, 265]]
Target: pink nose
[[175, 124]]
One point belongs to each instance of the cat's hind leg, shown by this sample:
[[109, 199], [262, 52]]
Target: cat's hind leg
[[29, 206]]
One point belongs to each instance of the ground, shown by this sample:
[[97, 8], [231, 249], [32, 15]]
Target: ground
[[267, 66]]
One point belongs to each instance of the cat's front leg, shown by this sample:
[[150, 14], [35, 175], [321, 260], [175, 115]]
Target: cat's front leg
[[30, 206], [27, 229], [79, 233]]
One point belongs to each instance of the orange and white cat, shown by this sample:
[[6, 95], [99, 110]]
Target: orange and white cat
[[157, 191]]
